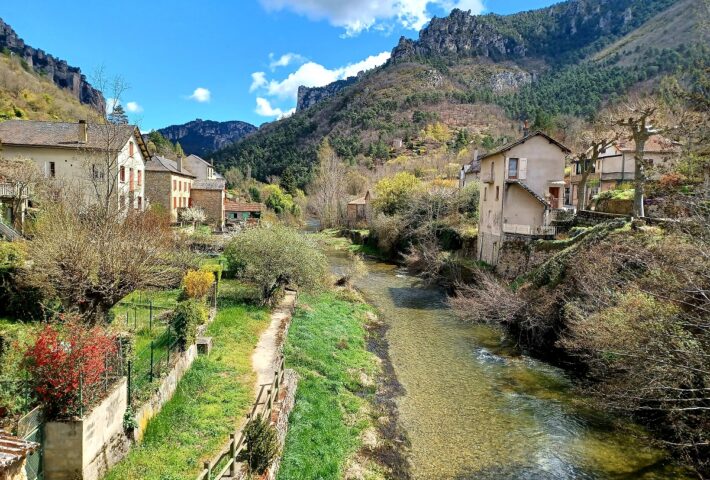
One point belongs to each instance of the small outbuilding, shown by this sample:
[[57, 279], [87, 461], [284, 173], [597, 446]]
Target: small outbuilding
[[358, 209], [243, 212], [13, 455]]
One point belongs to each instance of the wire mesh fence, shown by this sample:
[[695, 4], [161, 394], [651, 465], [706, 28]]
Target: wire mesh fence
[[149, 364]]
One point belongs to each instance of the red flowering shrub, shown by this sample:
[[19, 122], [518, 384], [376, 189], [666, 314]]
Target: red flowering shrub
[[65, 358]]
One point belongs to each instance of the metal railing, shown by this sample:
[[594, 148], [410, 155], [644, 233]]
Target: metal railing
[[225, 463], [12, 190]]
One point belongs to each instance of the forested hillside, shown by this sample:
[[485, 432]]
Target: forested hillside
[[476, 77]]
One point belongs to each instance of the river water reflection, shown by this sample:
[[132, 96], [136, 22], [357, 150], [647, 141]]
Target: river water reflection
[[474, 408]]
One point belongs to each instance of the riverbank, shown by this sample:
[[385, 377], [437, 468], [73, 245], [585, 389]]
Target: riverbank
[[336, 429], [210, 400]]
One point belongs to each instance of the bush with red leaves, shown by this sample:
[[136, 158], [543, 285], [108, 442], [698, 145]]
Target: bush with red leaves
[[69, 366]]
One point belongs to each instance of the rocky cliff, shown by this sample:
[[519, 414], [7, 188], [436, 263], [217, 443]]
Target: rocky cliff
[[63, 75], [309, 96], [562, 32], [202, 137]]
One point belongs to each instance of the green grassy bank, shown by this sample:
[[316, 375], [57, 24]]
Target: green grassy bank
[[210, 401], [326, 345]]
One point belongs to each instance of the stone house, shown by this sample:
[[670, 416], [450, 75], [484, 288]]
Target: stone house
[[208, 189], [616, 165], [470, 171], [521, 188], [83, 157], [243, 212], [358, 210], [168, 184]]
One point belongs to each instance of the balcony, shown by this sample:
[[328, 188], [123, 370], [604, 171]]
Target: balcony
[[530, 230], [11, 190], [487, 178]]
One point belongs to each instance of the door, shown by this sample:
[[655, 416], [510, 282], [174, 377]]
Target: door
[[555, 197]]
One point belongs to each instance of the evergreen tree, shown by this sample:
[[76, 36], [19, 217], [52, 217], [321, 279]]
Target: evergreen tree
[[118, 116]]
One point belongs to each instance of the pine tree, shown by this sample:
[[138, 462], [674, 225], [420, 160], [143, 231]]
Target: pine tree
[[118, 115]]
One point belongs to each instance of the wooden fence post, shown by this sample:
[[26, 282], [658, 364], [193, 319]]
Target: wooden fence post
[[233, 454], [209, 470]]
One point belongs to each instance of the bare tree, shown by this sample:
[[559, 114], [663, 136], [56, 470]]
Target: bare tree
[[329, 188], [640, 117], [590, 141]]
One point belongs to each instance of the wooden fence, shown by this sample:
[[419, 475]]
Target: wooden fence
[[225, 463]]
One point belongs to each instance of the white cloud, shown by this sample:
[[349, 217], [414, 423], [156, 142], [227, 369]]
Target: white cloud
[[312, 74], [258, 80], [356, 16], [111, 103], [133, 107], [265, 109], [284, 60], [201, 95]]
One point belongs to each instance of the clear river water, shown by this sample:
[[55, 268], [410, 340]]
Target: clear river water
[[473, 407]]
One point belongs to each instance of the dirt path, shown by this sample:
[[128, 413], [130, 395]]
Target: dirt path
[[268, 349]]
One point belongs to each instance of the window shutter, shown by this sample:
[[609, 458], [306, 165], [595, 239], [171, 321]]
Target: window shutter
[[522, 168], [506, 168]]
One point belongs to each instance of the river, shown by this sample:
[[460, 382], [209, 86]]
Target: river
[[473, 407]]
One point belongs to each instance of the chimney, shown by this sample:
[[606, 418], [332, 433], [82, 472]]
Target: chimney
[[179, 163], [526, 129], [83, 132]]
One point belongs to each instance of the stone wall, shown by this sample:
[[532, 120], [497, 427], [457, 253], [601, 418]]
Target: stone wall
[[520, 255], [165, 391], [212, 202], [16, 471], [590, 218], [85, 449]]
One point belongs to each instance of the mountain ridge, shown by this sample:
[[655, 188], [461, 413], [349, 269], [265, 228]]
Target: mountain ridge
[[202, 137]]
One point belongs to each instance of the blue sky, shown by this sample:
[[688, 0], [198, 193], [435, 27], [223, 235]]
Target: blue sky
[[226, 60]]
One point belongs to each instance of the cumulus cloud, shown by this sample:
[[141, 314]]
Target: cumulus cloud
[[201, 95], [312, 74], [265, 109], [133, 107], [258, 80], [284, 60], [356, 16]]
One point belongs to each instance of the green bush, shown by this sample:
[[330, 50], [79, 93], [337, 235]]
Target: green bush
[[272, 258], [186, 317], [262, 445]]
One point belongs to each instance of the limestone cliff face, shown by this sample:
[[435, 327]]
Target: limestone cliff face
[[202, 137], [63, 75], [309, 96], [552, 33]]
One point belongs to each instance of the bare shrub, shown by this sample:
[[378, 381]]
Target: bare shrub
[[489, 302]]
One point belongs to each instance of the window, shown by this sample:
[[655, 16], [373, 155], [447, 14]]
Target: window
[[130, 149], [140, 177], [140, 203], [174, 202], [130, 179], [513, 168], [122, 174], [97, 173], [485, 193], [493, 166], [497, 193], [52, 170]]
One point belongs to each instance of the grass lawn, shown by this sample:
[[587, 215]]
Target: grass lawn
[[210, 401], [326, 345]]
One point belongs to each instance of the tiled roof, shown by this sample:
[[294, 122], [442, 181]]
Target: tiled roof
[[243, 206], [515, 143], [14, 449], [162, 164], [66, 135], [209, 184], [194, 157]]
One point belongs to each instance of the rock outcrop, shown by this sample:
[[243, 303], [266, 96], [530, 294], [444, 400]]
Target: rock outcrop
[[309, 96], [63, 75], [202, 137]]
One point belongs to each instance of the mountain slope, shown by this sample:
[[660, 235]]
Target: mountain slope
[[58, 71], [27, 95], [478, 76], [202, 137]]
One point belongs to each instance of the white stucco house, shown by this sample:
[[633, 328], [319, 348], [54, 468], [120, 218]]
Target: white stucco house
[[522, 184], [97, 161]]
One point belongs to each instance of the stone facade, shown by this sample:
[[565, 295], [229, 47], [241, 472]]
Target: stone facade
[[212, 202], [169, 190]]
